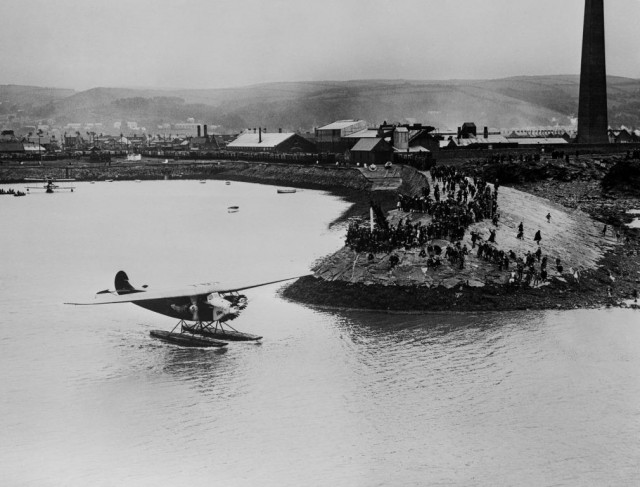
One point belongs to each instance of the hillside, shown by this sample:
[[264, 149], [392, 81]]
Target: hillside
[[29, 98], [510, 102]]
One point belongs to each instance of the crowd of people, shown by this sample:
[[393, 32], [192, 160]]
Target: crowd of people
[[458, 202], [454, 204]]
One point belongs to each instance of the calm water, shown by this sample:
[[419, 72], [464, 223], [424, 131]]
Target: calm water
[[327, 399]]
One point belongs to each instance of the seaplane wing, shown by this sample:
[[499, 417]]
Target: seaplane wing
[[140, 295]]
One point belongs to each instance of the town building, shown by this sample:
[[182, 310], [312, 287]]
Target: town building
[[335, 138], [622, 136], [369, 151], [271, 142]]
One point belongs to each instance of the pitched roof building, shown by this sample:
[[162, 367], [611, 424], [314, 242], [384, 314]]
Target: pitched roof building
[[371, 151], [271, 142]]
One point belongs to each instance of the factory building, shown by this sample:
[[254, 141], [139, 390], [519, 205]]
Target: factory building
[[287, 142], [335, 138]]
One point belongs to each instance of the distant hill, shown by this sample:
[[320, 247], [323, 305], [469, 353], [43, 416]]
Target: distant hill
[[29, 98], [503, 103]]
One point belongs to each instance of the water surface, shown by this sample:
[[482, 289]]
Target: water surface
[[328, 398]]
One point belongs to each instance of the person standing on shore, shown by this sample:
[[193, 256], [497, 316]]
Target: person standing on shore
[[538, 237], [604, 230], [548, 217]]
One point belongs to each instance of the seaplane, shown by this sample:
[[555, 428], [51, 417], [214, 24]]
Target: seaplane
[[50, 184], [203, 310]]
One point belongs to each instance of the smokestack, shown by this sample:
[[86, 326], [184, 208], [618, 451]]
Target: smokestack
[[260, 135], [205, 131], [198, 130], [486, 132], [459, 132], [279, 130], [592, 106]]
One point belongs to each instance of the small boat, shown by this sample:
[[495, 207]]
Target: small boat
[[92, 182], [109, 180], [284, 191], [233, 209], [185, 340], [227, 183], [202, 181], [138, 181], [19, 193]]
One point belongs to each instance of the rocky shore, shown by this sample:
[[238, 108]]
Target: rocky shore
[[598, 269]]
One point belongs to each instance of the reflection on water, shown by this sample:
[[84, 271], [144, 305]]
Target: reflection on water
[[328, 397]]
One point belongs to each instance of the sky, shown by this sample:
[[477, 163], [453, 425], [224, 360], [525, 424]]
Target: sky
[[82, 44]]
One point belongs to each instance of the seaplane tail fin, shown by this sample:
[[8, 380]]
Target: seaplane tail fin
[[123, 286]]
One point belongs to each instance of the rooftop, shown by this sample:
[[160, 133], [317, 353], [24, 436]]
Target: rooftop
[[269, 139], [365, 145], [340, 124], [363, 134]]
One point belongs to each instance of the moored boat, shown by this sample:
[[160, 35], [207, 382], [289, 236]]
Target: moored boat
[[284, 191]]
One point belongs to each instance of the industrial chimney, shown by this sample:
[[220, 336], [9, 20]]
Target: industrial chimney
[[592, 106], [486, 132], [198, 130], [260, 135], [205, 131]]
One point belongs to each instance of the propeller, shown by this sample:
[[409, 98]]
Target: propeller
[[221, 307], [194, 308]]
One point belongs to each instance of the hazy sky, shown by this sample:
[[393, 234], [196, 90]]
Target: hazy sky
[[220, 43]]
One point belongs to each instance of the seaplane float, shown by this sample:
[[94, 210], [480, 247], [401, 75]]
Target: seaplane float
[[203, 310], [49, 185]]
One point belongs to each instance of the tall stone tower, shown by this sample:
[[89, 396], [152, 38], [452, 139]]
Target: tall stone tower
[[592, 112]]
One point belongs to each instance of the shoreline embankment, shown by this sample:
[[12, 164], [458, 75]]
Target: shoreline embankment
[[609, 278]]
